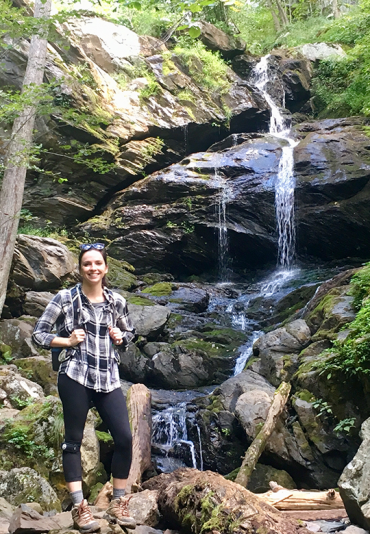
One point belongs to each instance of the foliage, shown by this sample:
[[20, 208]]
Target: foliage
[[207, 68], [351, 357], [322, 407], [342, 87], [345, 425]]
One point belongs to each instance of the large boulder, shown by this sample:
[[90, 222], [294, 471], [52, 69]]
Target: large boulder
[[354, 484], [16, 334], [320, 51], [35, 302], [21, 485], [278, 351], [16, 390], [148, 321], [217, 40], [41, 263]]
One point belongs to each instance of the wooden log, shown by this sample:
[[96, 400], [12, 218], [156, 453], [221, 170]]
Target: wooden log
[[193, 501], [255, 450], [285, 499], [139, 410]]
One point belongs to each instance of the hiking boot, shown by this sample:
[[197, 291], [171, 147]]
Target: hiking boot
[[83, 520], [117, 512]]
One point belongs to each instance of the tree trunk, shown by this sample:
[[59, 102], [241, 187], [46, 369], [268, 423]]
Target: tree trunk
[[17, 155], [282, 13], [139, 410], [285, 499], [336, 12], [256, 448], [275, 18], [206, 502]]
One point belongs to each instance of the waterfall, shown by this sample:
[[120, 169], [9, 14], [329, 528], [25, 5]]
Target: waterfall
[[280, 126], [169, 429], [223, 241]]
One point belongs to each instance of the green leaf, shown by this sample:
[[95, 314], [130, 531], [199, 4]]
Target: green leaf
[[195, 8], [194, 32]]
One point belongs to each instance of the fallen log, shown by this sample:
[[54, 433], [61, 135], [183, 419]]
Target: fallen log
[[139, 411], [285, 499], [206, 502], [255, 450]]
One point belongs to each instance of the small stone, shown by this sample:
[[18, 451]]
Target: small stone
[[25, 519]]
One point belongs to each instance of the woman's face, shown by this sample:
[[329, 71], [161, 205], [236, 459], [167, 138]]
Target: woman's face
[[93, 267]]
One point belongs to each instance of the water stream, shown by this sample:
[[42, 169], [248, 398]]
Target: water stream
[[280, 126]]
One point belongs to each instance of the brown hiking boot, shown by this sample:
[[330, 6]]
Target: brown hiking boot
[[117, 512], [83, 518]]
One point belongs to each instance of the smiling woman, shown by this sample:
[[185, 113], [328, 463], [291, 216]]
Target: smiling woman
[[90, 321]]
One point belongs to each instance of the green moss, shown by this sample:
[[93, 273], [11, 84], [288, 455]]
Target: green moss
[[305, 395], [104, 436], [140, 301], [161, 289], [120, 274]]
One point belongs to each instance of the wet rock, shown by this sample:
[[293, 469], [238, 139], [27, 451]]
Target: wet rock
[[191, 299], [354, 483], [217, 40], [148, 321], [25, 519], [36, 302], [16, 334], [41, 263], [23, 484]]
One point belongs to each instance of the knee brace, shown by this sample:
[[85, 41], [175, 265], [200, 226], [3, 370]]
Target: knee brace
[[71, 446]]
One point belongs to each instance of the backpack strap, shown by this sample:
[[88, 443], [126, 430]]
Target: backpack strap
[[75, 306]]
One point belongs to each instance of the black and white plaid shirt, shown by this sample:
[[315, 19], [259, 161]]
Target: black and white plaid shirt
[[94, 362]]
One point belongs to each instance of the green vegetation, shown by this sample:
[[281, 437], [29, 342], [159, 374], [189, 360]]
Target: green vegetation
[[161, 289]]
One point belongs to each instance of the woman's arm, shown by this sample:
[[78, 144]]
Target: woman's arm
[[42, 335]]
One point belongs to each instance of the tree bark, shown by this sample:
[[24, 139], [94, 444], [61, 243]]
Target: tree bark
[[256, 448], [139, 409], [285, 499], [17, 155], [336, 12], [206, 502]]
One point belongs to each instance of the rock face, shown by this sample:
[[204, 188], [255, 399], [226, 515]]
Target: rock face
[[169, 220], [216, 39], [41, 263], [354, 483]]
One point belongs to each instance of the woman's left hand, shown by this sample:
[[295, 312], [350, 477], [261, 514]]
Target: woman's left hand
[[116, 335]]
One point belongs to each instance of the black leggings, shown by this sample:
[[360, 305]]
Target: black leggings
[[76, 400]]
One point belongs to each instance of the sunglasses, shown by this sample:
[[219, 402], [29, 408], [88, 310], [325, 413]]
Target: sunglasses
[[89, 246]]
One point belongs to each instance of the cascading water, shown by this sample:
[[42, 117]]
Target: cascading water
[[223, 242], [169, 429], [280, 126]]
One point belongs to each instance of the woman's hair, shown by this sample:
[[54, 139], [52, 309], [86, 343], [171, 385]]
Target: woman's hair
[[104, 254]]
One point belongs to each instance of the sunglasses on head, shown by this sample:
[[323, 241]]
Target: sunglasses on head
[[88, 246]]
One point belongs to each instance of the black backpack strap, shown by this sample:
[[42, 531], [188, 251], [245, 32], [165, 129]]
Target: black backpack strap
[[75, 306]]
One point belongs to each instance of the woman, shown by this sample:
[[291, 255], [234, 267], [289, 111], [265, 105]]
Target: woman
[[90, 321]]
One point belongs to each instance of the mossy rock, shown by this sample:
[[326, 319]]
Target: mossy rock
[[155, 278], [162, 289], [120, 274], [33, 438], [139, 301], [39, 370]]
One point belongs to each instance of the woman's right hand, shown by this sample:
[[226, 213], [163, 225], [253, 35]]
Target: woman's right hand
[[77, 337]]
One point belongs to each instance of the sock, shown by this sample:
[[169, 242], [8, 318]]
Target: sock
[[117, 493], [77, 497]]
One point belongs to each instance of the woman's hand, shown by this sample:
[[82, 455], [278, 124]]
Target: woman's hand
[[116, 335], [76, 337]]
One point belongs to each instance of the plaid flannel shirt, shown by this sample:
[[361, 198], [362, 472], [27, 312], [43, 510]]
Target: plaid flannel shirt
[[94, 362]]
